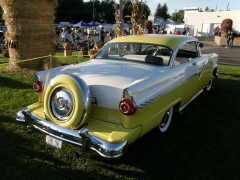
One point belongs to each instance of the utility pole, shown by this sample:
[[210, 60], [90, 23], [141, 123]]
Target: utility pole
[[121, 14], [175, 15], [93, 10]]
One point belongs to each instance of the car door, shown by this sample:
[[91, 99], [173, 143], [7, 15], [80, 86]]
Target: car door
[[188, 64]]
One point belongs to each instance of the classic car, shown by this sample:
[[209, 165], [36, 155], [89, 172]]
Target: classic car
[[131, 85]]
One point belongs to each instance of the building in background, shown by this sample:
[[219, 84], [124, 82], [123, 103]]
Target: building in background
[[201, 22]]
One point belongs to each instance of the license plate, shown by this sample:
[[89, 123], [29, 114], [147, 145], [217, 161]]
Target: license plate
[[51, 141]]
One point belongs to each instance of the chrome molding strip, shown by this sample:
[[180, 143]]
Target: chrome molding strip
[[191, 100], [170, 87]]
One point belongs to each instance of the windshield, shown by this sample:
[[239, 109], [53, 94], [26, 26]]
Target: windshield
[[146, 53]]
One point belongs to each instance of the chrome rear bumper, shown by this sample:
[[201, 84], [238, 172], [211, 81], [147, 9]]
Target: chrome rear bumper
[[81, 138]]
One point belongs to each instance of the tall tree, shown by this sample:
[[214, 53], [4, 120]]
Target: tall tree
[[71, 11], [89, 7], [107, 11], [162, 11], [178, 16], [158, 10]]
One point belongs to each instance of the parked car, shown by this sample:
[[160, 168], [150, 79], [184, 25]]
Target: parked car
[[132, 85]]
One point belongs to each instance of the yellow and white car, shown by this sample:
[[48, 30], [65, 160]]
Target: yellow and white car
[[132, 85]]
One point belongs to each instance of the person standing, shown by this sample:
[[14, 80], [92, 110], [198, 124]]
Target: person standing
[[231, 39], [184, 31], [67, 36], [102, 34], [63, 35], [227, 36]]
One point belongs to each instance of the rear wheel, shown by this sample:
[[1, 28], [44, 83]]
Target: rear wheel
[[163, 126]]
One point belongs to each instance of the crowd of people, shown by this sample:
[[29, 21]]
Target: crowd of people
[[73, 34], [70, 34]]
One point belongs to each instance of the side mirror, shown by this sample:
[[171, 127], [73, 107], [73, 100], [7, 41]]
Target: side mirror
[[201, 45]]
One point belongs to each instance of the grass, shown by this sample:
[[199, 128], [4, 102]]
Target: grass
[[202, 143], [64, 60]]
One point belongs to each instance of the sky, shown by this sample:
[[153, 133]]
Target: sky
[[176, 5]]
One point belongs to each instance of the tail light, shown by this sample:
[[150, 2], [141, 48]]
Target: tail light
[[127, 107], [38, 86]]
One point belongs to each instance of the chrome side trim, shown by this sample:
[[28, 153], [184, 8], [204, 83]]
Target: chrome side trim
[[170, 86], [80, 138], [190, 100]]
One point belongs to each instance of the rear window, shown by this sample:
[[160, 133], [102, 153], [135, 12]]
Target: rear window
[[141, 52]]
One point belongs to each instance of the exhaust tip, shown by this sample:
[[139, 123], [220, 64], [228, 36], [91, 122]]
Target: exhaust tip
[[79, 153], [30, 131]]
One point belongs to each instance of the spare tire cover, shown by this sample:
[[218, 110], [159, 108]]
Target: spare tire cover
[[67, 101]]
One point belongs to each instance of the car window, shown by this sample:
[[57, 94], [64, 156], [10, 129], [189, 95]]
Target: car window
[[186, 52], [141, 52]]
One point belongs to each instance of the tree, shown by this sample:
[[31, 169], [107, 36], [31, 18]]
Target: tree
[[178, 16], [158, 10], [107, 10], [71, 11], [76, 10], [30, 31], [127, 10], [88, 11], [162, 11]]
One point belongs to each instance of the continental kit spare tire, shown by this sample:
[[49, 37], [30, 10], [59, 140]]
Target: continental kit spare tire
[[67, 101]]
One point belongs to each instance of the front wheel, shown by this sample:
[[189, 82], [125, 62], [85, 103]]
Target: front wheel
[[163, 126]]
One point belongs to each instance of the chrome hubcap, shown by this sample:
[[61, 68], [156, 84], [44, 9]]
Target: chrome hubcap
[[62, 103]]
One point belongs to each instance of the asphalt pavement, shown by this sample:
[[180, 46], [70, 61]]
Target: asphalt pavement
[[226, 55]]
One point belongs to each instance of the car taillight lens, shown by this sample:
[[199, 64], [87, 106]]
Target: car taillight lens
[[127, 107], [38, 86]]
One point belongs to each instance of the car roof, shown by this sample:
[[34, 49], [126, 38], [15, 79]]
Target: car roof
[[164, 39]]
